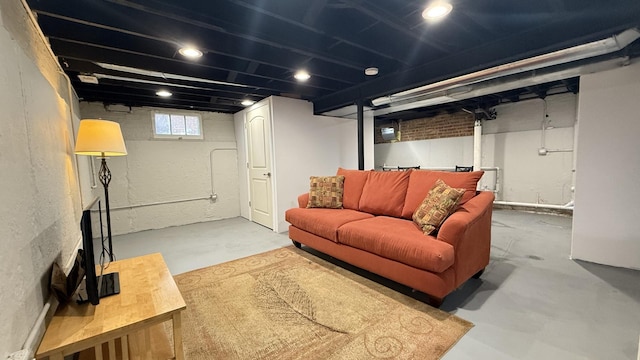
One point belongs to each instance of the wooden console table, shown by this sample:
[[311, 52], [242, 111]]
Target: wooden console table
[[148, 296]]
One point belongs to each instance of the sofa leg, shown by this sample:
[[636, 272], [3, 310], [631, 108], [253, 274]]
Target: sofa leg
[[478, 274], [435, 302], [297, 244]]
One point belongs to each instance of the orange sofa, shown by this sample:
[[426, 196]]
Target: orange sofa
[[374, 231]]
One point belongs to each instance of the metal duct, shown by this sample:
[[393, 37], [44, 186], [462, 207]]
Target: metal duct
[[529, 78], [388, 133], [592, 49]]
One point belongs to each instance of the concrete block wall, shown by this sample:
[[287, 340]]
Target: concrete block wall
[[39, 192], [164, 182]]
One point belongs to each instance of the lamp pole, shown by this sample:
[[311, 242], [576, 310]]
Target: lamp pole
[[105, 178]]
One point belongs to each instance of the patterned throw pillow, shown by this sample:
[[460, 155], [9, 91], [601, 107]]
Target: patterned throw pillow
[[440, 202], [326, 192]]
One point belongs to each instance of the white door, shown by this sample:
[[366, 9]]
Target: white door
[[259, 141]]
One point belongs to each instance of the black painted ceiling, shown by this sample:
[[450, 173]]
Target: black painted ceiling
[[252, 48]]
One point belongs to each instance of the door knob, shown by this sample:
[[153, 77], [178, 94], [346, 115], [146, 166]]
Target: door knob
[[267, 174]]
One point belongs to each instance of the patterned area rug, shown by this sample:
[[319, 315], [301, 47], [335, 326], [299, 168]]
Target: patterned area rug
[[288, 304]]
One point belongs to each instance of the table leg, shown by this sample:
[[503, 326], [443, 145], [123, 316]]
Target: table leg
[[177, 336], [125, 347], [147, 343], [98, 349], [112, 350]]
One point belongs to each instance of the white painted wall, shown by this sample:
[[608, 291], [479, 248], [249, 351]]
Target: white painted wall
[[436, 153], [526, 176], [39, 191], [158, 171], [304, 145], [606, 226], [511, 143]]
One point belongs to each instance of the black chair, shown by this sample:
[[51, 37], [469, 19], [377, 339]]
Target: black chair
[[405, 168], [464, 168]]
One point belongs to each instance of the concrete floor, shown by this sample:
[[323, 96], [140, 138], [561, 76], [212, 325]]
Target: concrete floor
[[532, 302]]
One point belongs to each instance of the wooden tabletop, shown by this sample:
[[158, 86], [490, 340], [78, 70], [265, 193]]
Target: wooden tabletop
[[148, 295]]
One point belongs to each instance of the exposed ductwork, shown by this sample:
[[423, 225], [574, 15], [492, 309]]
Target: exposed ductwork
[[553, 66]]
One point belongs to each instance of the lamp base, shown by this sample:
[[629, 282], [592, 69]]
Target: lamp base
[[110, 284]]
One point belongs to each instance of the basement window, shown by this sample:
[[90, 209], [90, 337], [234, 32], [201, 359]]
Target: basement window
[[177, 126]]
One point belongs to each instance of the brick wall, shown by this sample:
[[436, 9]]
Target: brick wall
[[443, 125]]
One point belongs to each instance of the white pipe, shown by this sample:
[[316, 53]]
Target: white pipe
[[477, 145], [542, 206], [161, 203], [530, 78], [558, 150], [592, 49], [542, 151], [40, 326]]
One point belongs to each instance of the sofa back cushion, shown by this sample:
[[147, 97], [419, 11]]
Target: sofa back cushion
[[421, 181], [384, 193], [354, 181]]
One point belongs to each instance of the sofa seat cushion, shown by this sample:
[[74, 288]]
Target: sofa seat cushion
[[323, 222], [399, 240]]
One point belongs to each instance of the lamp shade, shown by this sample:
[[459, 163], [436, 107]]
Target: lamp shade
[[100, 138]]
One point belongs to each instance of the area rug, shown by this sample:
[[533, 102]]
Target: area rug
[[288, 304]]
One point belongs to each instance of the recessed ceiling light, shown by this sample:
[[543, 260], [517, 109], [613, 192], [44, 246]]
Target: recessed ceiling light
[[437, 10], [371, 71], [163, 93], [302, 75], [190, 52], [247, 102]]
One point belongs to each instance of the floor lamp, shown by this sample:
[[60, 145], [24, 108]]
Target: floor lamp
[[101, 138]]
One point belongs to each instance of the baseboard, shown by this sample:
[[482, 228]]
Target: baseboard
[[534, 209]]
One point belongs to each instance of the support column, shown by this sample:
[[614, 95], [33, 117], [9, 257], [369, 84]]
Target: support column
[[360, 105], [477, 146]]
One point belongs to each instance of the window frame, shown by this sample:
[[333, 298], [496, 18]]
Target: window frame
[[176, 136]]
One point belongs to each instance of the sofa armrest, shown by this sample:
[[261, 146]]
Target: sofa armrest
[[468, 230], [303, 200]]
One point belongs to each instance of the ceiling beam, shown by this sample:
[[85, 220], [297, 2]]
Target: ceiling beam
[[393, 22], [481, 57], [373, 47], [223, 43], [137, 43], [229, 28], [97, 53], [88, 67]]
